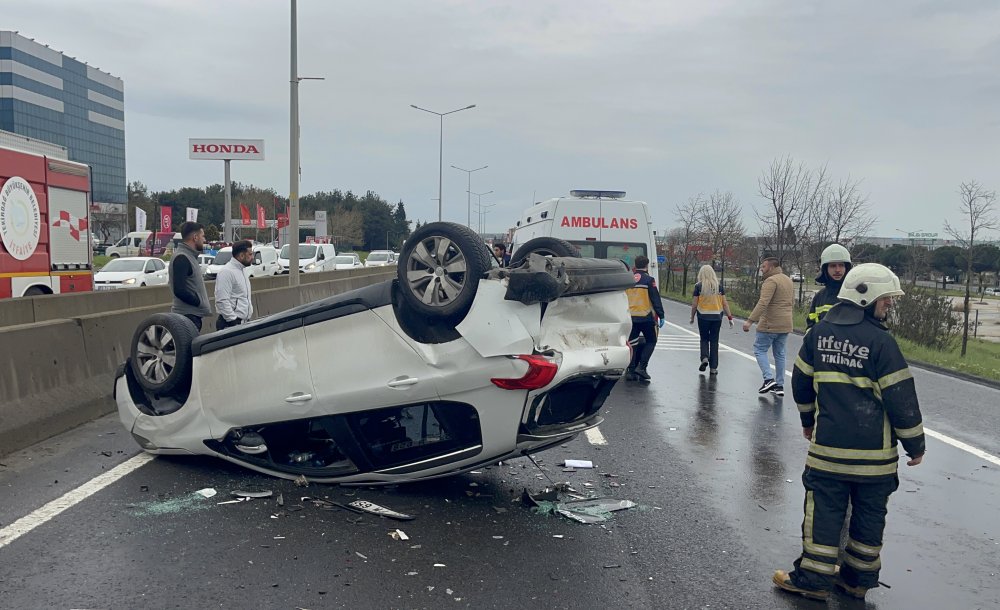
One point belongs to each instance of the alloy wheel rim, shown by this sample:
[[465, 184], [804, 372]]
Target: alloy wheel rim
[[436, 271], [156, 353]]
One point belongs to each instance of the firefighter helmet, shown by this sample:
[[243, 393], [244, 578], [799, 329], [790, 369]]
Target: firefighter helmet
[[834, 253], [869, 282]]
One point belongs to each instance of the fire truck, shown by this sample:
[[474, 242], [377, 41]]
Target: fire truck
[[45, 245]]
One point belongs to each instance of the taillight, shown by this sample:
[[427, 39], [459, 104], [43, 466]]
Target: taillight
[[540, 373]]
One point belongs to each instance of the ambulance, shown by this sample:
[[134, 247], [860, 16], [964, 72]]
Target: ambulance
[[601, 224]]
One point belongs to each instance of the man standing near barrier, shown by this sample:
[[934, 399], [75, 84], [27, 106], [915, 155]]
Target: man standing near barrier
[[232, 288], [186, 280], [856, 399]]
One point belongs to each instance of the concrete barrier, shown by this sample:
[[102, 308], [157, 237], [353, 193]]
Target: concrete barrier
[[26, 310], [57, 374]]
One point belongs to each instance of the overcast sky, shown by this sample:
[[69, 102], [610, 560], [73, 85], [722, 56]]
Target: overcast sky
[[661, 99]]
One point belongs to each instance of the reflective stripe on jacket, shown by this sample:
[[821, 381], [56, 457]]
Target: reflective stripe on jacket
[[822, 302], [853, 387]]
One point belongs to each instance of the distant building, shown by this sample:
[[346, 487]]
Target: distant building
[[48, 96]]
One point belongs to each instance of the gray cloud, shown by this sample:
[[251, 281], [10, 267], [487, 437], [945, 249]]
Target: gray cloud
[[663, 100]]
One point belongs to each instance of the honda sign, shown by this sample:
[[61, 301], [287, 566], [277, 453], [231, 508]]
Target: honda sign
[[246, 150]]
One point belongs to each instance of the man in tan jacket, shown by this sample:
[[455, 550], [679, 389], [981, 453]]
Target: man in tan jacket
[[773, 316]]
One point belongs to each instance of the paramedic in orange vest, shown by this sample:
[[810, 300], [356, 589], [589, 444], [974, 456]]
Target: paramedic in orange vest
[[709, 304], [646, 308]]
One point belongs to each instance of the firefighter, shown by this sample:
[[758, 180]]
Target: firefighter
[[856, 399], [646, 308], [834, 263]]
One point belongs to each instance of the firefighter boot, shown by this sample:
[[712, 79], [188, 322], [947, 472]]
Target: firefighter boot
[[784, 582], [855, 592]]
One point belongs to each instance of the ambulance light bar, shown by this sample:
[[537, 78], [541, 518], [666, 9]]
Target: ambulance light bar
[[598, 194]]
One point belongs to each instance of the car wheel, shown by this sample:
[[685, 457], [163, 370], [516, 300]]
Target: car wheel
[[142, 285], [35, 291], [545, 246], [113, 256], [443, 263], [161, 353]]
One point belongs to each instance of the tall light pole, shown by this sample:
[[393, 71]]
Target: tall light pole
[[479, 207], [469, 190], [293, 153], [441, 116], [913, 260]]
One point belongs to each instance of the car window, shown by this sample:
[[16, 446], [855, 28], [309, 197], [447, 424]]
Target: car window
[[256, 258], [160, 265], [124, 264]]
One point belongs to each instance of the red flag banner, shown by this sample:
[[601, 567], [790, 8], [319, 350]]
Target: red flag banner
[[261, 219], [166, 218], [282, 221], [245, 214]]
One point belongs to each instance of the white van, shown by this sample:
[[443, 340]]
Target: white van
[[134, 243], [265, 262], [601, 224], [312, 257]]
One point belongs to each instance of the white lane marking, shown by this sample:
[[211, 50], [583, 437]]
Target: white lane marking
[[964, 447], [595, 437], [29, 522], [979, 453]]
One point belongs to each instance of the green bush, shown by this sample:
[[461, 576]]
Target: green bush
[[925, 319]]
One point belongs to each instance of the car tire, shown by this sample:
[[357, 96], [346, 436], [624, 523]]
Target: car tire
[[113, 256], [545, 246], [161, 353], [437, 256]]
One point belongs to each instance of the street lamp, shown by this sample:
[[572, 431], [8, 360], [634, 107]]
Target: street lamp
[[468, 191], [294, 166], [441, 116], [913, 249], [479, 208]]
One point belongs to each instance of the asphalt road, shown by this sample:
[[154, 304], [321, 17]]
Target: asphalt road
[[713, 467]]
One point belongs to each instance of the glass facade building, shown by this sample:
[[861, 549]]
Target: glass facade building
[[55, 98]]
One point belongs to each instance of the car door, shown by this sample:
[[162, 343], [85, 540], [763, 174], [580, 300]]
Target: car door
[[161, 274], [392, 373]]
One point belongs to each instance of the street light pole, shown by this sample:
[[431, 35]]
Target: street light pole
[[441, 116], [913, 263], [469, 191], [479, 208]]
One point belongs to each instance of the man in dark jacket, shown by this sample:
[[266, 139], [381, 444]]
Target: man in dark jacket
[[646, 308], [856, 400], [834, 264], [186, 280]]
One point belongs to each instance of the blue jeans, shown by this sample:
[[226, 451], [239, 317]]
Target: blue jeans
[[775, 342]]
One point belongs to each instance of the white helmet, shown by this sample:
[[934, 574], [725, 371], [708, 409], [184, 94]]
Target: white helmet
[[867, 283], [834, 253]]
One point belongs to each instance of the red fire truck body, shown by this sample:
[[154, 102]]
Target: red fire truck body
[[45, 244]]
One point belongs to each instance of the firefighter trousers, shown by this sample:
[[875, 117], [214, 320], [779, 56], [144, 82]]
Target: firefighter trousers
[[826, 505]]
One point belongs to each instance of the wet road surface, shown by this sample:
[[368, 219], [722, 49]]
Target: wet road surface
[[714, 467]]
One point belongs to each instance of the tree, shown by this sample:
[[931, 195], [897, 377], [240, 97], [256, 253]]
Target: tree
[[687, 215], [843, 217], [792, 192], [348, 226], [977, 205], [948, 261], [866, 253], [720, 223], [897, 258]]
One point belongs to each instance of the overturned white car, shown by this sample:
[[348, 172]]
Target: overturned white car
[[455, 364]]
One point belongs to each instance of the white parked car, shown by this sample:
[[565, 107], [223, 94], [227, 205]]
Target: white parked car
[[380, 258], [131, 272], [796, 277], [204, 260], [476, 364], [347, 260], [991, 290]]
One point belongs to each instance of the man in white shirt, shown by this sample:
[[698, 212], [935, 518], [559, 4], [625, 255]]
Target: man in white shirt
[[232, 288]]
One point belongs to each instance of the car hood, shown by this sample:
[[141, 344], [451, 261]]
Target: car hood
[[115, 276]]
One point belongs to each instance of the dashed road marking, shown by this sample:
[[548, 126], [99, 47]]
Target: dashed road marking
[[29, 522], [979, 453], [595, 437]]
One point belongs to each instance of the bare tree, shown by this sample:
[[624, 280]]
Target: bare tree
[[791, 191], [721, 225], [977, 205], [687, 215], [348, 225]]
